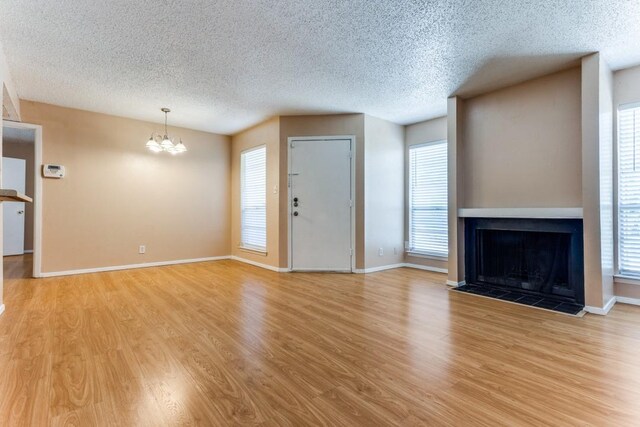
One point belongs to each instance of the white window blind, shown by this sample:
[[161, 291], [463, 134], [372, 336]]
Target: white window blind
[[253, 189], [428, 234], [629, 190]]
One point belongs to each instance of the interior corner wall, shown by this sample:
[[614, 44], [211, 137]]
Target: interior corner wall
[[117, 195], [522, 143], [268, 134], [384, 181], [322, 125], [420, 133], [24, 150]]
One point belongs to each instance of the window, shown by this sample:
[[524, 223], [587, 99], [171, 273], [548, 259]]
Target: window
[[253, 194], [428, 233], [629, 190]]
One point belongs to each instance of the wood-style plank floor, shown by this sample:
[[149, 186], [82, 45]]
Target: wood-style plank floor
[[224, 343]]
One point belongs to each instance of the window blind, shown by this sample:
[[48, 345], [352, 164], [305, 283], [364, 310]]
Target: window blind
[[629, 190], [253, 189], [428, 233]]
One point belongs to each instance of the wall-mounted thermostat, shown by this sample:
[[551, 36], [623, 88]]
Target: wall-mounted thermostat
[[53, 171]]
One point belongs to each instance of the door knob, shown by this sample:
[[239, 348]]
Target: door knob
[[295, 213]]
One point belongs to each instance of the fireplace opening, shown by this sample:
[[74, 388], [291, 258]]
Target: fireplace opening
[[525, 260], [532, 261]]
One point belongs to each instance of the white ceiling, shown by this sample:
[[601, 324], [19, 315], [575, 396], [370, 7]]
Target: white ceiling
[[225, 65], [18, 134]]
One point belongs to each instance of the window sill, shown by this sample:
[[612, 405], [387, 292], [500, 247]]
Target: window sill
[[423, 255], [626, 279], [257, 251]]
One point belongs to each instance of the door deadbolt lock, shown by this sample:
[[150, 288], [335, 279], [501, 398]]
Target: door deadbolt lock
[[295, 200], [295, 213]]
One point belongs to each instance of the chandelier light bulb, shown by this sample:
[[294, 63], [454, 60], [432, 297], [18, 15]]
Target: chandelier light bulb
[[180, 147], [166, 143], [153, 145], [157, 143]]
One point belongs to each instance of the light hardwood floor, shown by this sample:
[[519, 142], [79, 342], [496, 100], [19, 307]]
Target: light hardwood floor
[[226, 343]]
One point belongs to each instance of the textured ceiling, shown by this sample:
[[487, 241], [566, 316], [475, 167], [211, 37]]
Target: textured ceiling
[[225, 65]]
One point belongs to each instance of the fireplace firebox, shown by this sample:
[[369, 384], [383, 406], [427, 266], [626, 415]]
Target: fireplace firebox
[[526, 259]]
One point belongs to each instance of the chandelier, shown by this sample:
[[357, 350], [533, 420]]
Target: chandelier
[[158, 143]]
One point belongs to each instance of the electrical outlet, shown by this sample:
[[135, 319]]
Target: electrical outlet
[[380, 252], [142, 249]]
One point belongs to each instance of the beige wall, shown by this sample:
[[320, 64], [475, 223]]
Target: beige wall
[[427, 131], [26, 151], [327, 125], [266, 133], [384, 192], [522, 145], [627, 290], [626, 86], [420, 133], [456, 190], [117, 195], [597, 173]]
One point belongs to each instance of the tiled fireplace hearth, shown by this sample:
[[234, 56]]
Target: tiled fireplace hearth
[[531, 261]]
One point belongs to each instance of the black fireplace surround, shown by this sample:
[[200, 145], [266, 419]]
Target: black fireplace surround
[[537, 257]]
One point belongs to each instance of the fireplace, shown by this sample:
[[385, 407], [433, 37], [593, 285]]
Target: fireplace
[[526, 260]]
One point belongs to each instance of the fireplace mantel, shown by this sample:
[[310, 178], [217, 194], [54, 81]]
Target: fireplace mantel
[[545, 213]]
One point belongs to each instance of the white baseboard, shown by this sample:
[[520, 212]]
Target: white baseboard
[[1, 308], [627, 300], [129, 266], [259, 264], [235, 258], [426, 268], [399, 265], [376, 269], [602, 311], [455, 284]]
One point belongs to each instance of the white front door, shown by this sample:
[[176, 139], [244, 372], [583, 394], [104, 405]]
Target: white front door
[[320, 204], [14, 175]]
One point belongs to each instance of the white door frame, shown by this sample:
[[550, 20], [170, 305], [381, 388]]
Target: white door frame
[[37, 193], [352, 140]]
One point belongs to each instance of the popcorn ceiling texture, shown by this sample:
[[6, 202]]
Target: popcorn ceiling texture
[[225, 65]]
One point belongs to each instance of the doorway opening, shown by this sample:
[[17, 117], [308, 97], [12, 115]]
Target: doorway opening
[[22, 222], [321, 203]]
